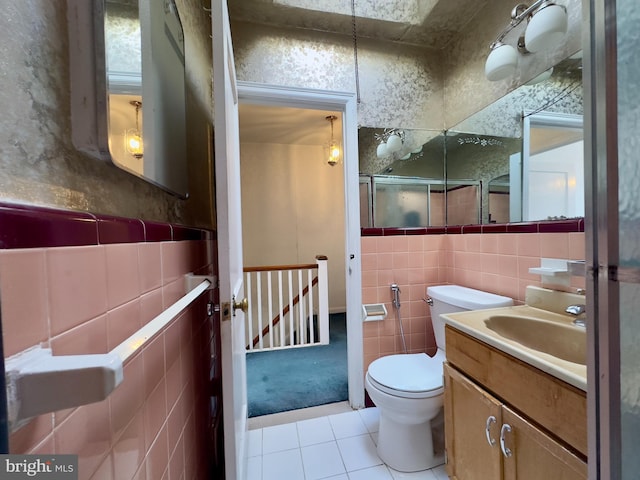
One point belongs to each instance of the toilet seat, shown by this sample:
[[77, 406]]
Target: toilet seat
[[413, 375]]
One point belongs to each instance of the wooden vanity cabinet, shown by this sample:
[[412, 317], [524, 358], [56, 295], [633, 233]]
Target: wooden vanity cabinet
[[476, 420]]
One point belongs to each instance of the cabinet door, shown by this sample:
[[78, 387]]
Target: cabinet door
[[472, 420], [536, 456]]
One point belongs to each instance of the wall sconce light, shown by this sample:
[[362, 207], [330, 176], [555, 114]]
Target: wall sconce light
[[390, 141], [334, 152], [546, 25], [132, 136]]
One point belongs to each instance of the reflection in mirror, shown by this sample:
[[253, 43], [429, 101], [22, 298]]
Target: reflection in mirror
[[128, 87], [553, 166], [484, 157], [499, 199], [472, 162], [124, 84], [145, 74], [497, 146], [404, 188]]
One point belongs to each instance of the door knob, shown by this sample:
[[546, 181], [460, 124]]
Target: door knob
[[242, 305]]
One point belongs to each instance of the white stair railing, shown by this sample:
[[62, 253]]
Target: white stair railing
[[302, 321]]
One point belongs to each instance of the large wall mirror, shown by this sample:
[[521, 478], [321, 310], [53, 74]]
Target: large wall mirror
[[518, 159], [128, 87]]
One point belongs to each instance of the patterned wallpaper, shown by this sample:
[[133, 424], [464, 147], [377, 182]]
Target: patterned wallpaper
[[39, 164], [400, 85], [122, 33], [466, 88]]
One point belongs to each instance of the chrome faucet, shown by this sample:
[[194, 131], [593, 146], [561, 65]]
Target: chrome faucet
[[577, 311]]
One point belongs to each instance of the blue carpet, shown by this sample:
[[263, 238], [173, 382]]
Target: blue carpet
[[283, 380]]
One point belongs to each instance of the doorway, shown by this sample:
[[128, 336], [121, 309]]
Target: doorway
[[344, 105]]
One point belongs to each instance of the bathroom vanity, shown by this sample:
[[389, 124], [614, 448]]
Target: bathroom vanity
[[512, 411]]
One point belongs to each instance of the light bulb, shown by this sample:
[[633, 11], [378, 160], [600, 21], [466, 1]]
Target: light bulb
[[334, 155], [546, 28], [501, 62], [134, 142], [394, 143], [382, 150]]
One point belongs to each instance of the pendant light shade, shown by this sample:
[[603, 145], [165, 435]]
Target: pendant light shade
[[501, 62], [547, 27]]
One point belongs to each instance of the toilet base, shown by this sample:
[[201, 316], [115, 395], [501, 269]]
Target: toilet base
[[407, 447]]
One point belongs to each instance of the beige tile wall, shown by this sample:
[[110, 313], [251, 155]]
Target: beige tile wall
[[81, 300], [496, 263]]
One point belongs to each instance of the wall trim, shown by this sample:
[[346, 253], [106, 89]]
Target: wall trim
[[30, 226], [551, 226]]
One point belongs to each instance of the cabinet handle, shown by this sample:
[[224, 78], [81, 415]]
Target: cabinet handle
[[506, 451], [491, 419]]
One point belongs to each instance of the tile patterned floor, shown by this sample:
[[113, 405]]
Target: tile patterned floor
[[338, 446]]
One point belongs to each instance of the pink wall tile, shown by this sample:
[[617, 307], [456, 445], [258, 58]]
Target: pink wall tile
[[31, 434], [158, 456], [415, 243], [174, 383], [400, 244], [496, 263], [554, 245], [86, 433], [77, 285], [24, 299], [105, 470], [529, 245], [577, 246], [96, 297], [155, 413], [507, 243], [150, 306], [384, 244], [473, 242], [171, 292], [369, 262], [490, 263], [385, 261], [129, 451], [150, 266], [88, 338], [122, 322], [368, 245], [128, 398], [123, 278], [489, 243]]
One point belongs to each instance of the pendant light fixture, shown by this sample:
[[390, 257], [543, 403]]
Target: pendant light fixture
[[132, 136], [334, 152]]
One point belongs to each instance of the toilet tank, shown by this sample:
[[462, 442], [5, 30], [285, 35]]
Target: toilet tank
[[454, 298]]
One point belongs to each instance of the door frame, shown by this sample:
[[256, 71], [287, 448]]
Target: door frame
[[346, 103]]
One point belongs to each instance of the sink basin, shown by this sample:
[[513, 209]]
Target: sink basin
[[565, 341]]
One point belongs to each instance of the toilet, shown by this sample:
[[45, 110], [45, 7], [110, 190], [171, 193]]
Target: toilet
[[408, 388]]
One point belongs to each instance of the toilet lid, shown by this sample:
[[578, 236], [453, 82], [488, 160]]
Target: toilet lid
[[412, 373]]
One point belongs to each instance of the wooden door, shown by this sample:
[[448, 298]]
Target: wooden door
[[535, 455], [472, 419]]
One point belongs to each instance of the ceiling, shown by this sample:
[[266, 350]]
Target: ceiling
[[287, 126], [425, 23]]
